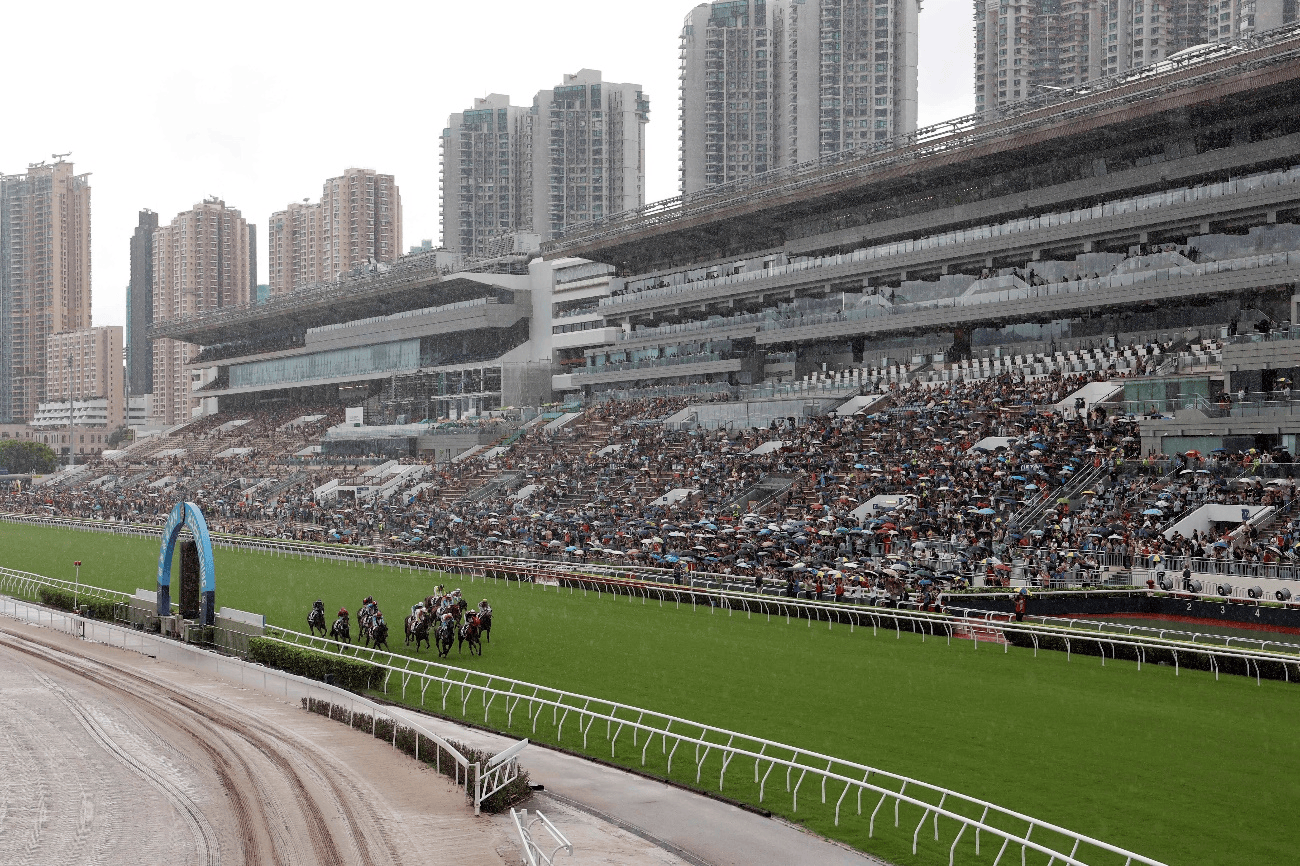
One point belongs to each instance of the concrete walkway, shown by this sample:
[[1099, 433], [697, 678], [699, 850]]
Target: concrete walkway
[[698, 829]]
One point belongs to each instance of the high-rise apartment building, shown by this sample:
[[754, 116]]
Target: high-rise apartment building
[[486, 175], [577, 154], [139, 308], [85, 367], [358, 220], [1025, 49], [44, 276], [294, 248], [588, 152], [767, 84], [202, 260]]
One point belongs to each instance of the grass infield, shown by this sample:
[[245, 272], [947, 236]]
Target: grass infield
[[1183, 769]]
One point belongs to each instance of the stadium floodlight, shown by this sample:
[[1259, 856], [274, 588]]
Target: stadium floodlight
[[508, 755]]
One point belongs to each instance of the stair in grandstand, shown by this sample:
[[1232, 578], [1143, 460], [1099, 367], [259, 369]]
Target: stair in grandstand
[[285, 483], [456, 489], [1032, 514], [764, 491], [497, 486]]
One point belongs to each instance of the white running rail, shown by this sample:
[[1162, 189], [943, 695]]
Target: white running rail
[[534, 854], [580, 714]]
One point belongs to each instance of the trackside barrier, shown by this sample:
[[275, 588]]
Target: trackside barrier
[[953, 622], [534, 854], [291, 687], [581, 713], [1082, 625]]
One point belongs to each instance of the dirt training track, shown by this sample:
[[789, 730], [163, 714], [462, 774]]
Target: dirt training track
[[108, 764]]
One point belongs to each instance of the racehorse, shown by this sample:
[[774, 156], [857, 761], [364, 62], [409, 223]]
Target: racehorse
[[469, 634], [341, 631], [417, 627], [378, 634], [365, 614], [445, 635], [316, 619], [485, 623]]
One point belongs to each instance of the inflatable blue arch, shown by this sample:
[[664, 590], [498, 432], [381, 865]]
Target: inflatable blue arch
[[186, 515]]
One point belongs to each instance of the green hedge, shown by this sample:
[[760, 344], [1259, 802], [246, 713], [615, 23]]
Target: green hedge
[[415, 744], [64, 600], [344, 672]]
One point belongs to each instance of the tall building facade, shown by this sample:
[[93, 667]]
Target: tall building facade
[[768, 84], [1022, 50], [577, 154], [139, 307], [358, 220], [202, 260], [44, 276], [588, 152], [294, 248], [486, 175], [85, 366]]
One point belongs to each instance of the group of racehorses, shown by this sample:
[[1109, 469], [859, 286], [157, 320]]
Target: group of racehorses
[[445, 616]]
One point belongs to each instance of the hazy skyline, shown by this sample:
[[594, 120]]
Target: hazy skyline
[[259, 103]]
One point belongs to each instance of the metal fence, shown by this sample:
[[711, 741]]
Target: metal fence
[[534, 853]]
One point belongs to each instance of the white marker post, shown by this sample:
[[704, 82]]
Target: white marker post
[[76, 586]]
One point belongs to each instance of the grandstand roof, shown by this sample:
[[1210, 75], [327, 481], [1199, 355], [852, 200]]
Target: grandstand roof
[[411, 284], [1238, 79]]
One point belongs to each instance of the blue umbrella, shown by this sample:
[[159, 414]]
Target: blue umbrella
[[987, 512], [1154, 512]]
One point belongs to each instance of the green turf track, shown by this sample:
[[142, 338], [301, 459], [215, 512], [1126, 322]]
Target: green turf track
[[1183, 769]]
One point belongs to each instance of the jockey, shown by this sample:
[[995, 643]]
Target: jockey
[[446, 621], [417, 608], [319, 605], [378, 620], [484, 608], [343, 613]]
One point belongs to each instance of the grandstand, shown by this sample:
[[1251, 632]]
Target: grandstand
[[1032, 341]]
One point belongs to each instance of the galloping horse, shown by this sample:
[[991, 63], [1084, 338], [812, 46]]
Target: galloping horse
[[445, 635], [377, 633], [469, 634], [316, 619], [417, 627], [484, 614], [341, 630], [365, 614]]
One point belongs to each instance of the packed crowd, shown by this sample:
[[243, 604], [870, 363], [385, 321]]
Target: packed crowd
[[943, 484]]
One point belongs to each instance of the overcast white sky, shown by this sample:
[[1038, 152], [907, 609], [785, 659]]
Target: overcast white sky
[[260, 102]]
